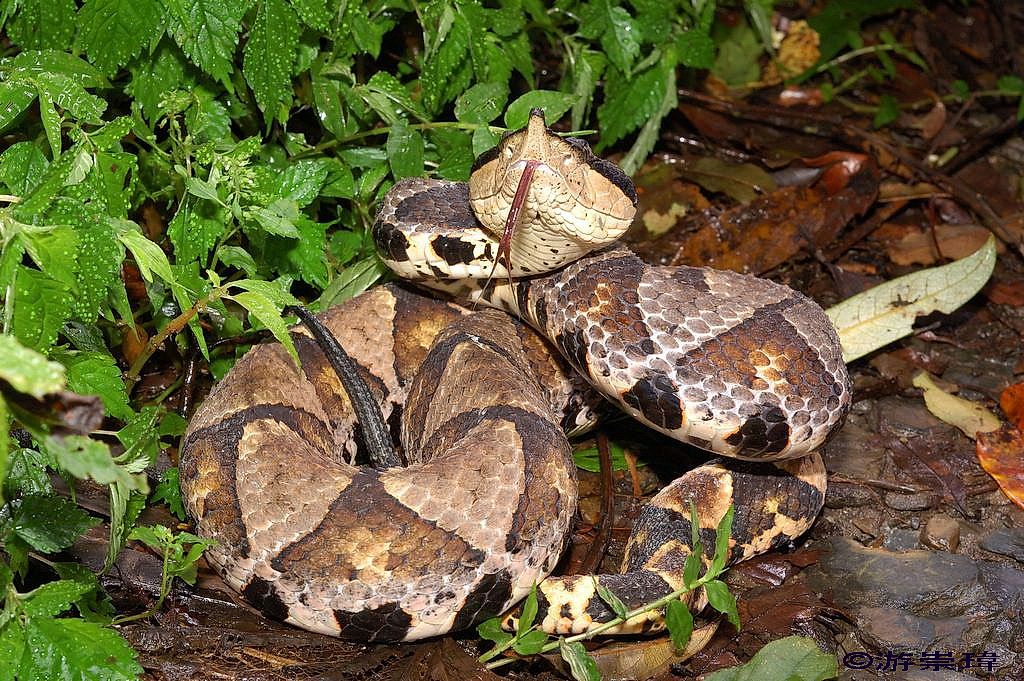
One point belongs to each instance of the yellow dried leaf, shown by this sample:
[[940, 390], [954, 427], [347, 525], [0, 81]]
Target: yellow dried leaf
[[970, 417]]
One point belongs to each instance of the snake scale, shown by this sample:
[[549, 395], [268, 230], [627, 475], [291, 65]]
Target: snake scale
[[731, 363]]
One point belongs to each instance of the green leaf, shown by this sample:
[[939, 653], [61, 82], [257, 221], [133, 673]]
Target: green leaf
[[305, 257], [589, 459], [83, 458], [837, 21], [530, 643], [722, 534], [679, 622], [555, 104], [15, 98], [481, 103], [528, 614], [695, 49], [53, 598], [27, 371], [491, 630], [888, 111], [113, 31], [12, 647], [76, 650], [301, 181], [260, 307], [446, 69], [21, 166], [94, 605], [691, 568], [610, 599], [581, 665], [194, 232], [278, 218], [43, 24], [794, 658], [50, 524], [269, 55], [148, 256], [236, 256], [207, 31], [630, 102], [314, 13], [351, 281], [97, 373], [271, 290], [722, 601], [168, 490], [405, 151], [41, 306]]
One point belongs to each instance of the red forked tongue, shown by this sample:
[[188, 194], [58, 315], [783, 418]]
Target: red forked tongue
[[505, 245]]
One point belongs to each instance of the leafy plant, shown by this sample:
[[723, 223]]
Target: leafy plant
[[529, 640]]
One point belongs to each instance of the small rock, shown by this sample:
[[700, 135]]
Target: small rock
[[909, 502], [941, 532], [1006, 542], [900, 539]]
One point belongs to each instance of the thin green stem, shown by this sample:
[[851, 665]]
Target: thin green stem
[[601, 628], [165, 590]]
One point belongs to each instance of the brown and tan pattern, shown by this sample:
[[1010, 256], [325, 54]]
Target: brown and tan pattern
[[730, 363]]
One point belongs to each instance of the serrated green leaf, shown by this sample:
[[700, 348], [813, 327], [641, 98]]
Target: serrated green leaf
[[610, 599], [53, 598], [794, 658], [447, 69], [271, 290], [630, 102], [721, 600], [26, 370], [304, 257], [530, 643], [236, 256], [50, 119], [481, 103], [202, 189], [50, 524], [41, 306], [194, 232], [76, 650], [43, 24], [491, 630], [94, 605], [83, 458], [278, 218], [885, 313], [269, 55], [168, 490], [21, 165], [207, 31], [113, 31], [555, 104], [314, 13], [695, 49], [12, 647], [207, 119], [15, 98], [301, 181], [405, 151], [679, 622], [581, 665], [528, 614], [260, 307], [97, 373]]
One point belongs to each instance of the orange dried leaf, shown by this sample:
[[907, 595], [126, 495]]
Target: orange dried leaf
[[1011, 401], [1001, 454]]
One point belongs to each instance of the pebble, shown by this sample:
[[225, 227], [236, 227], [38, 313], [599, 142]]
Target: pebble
[[941, 532], [1006, 542]]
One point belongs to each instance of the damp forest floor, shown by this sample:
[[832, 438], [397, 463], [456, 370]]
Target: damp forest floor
[[915, 568]]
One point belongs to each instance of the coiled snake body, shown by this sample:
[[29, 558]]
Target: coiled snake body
[[731, 363]]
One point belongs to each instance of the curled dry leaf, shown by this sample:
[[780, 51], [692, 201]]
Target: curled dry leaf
[[969, 417], [885, 313], [1001, 454]]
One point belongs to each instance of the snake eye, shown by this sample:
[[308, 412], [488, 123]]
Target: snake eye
[[567, 160], [508, 151]]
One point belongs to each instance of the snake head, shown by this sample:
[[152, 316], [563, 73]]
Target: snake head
[[570, 201]]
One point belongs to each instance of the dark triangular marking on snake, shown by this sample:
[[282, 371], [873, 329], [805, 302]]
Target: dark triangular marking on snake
[[387, 622], [377, 437]]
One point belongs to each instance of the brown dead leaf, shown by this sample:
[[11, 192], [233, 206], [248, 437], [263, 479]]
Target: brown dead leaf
[[771, 229], [1001, 454], [1011, 401], [1006, 292], [945, 242], [931, 123], [644, 658], [742, 182]]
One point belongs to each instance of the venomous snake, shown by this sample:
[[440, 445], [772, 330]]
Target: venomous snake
[[480, 513]]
